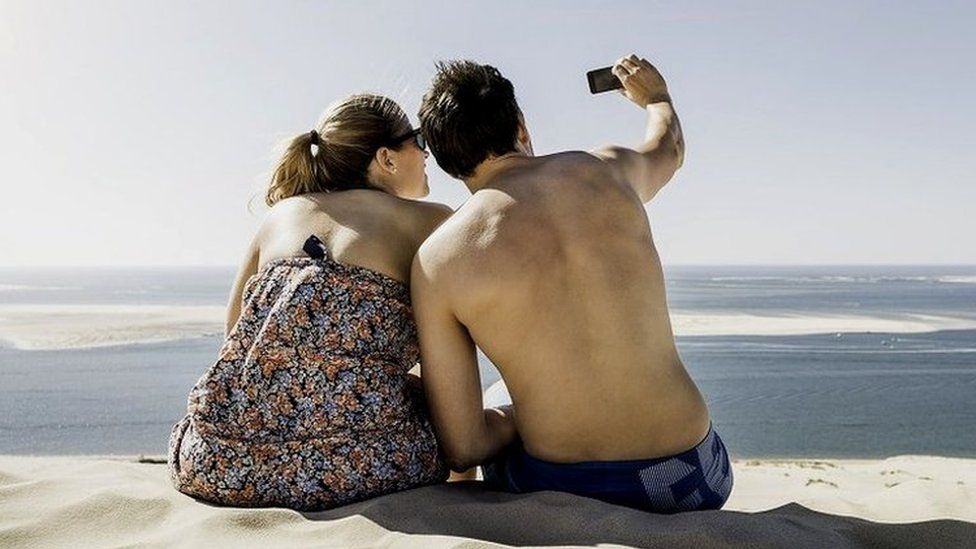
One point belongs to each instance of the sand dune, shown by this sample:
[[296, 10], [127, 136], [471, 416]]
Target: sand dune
[[61, 502], [49, 327]]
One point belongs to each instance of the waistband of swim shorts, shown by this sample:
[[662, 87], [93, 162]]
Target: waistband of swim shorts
[[620, 464]]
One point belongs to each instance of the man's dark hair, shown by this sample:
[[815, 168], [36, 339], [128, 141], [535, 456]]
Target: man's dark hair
[[468, 113]]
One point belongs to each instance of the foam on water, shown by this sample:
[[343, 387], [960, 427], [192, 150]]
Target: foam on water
[[948, 279], [958, 279], [714, 324], [27, 288], [13, 287]]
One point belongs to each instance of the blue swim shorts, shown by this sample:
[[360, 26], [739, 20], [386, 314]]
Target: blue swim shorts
[[697, 479]]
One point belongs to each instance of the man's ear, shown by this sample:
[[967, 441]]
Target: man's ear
[[524, 141]]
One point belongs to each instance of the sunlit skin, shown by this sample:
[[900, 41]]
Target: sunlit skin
[[379, 229], [550, 268]]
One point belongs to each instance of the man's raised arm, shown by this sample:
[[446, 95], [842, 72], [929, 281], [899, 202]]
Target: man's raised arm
[[651, 165], [468, 434]]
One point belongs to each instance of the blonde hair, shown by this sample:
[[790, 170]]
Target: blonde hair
[[347, 138]]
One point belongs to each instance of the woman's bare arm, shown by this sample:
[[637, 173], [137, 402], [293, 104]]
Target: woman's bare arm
[[248, 267]]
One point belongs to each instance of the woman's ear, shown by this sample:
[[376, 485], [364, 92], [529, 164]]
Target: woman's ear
[[385, 160]]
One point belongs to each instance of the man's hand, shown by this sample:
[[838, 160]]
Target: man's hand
[[643, 84], [650, 165]]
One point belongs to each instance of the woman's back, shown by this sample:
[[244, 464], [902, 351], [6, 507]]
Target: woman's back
[[309, 404], [368, 228]]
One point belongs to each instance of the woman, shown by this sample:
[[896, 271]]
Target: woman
[[308, 405]]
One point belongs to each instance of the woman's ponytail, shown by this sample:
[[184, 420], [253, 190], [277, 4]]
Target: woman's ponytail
[[336, 155], [301, 169]]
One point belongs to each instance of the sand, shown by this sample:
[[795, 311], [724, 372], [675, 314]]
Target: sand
[[89, 501], [55, 327]]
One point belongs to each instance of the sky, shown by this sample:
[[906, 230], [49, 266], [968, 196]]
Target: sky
[[136, 133]]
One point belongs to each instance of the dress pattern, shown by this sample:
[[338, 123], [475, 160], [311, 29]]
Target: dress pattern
[[308, 405]]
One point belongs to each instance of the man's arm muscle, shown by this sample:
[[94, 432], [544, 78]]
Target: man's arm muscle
[[649, 166], [468, 434]]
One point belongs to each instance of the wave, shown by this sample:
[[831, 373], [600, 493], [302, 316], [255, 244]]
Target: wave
[[749, 278], [13, 287], [687, 323], [945, 279], [957, 279], [26, 288], [57, 327], [885, 347]]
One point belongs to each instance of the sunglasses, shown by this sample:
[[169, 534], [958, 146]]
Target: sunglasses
[[417, 136]]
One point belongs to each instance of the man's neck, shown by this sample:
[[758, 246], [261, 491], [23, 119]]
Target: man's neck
[[487, 170]]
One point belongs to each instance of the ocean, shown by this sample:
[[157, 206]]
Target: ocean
[[833, 361]]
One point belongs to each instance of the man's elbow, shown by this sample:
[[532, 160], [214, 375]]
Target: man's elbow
[[670, 153], [678, 152], [678, 147], [661, 169]]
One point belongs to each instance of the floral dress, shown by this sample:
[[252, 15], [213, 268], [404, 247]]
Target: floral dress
[[308, 405]]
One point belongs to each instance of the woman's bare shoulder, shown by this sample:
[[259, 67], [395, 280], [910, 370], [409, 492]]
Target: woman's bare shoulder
[[427, 216], [433, 211]]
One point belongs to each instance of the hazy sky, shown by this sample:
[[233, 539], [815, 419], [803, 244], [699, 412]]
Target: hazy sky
[[134, 133]]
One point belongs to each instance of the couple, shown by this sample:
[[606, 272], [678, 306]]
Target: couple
[[349, 368]]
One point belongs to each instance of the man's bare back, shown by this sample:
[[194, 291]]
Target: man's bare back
[[552, 269]]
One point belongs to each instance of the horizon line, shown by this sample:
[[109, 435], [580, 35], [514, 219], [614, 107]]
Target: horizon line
[[665, 265]]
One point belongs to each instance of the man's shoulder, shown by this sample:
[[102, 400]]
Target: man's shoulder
[[456, 241], [573, 160], [444, 239], [591, 173], [565, 167]]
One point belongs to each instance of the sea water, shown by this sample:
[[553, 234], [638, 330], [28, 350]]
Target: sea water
[[793, 361]]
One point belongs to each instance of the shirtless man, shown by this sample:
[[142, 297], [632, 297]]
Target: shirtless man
[[551, 270]]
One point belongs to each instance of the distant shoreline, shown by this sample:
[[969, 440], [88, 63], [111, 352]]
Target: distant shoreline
[[233, 267], [66, 327], [158, 459]]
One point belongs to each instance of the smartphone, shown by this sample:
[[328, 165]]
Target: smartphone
[[603, 80]]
